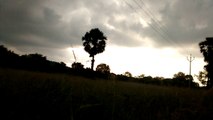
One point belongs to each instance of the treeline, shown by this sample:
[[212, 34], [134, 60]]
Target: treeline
[[177, 81], [38, 62], [34, 62]]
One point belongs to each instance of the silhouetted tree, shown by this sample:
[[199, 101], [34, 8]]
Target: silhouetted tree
[[141, 76], [147, 79], [206, 48], [179, 75], [77, 65], [182, 80], [128, 74], [8, 58], [202, 77], [94, 42], [35, 62], [103, 68], [179, 80], [63, 64], [189, 79], [159, 78]]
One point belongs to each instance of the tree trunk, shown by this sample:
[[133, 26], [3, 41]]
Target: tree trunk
[[92, 63]]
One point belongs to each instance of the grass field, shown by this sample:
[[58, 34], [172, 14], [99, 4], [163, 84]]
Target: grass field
[[43, 96]]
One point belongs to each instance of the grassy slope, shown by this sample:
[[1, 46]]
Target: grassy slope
[[38, 96]]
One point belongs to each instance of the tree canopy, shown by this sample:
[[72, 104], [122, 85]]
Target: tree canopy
[[128, 74], [35, 62], [181, 79], [103, 68], [94, 42], [206, 48], [77, 66], [202, 77]]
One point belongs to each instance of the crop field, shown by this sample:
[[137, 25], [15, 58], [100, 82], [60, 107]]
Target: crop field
[[29, 95]]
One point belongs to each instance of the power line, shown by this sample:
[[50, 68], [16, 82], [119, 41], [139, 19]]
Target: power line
[[163, 28], [156, 22], [154, 19], [157, 26]]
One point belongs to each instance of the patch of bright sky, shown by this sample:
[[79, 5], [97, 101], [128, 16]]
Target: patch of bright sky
[[109, 26], [144, 23], [140, 60]]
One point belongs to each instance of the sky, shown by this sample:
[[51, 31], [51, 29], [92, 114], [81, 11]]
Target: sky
[[151, 37]]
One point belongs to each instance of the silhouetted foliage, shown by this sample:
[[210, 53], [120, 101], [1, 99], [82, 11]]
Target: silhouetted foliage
[[179, 75], [34, 62], [179, 80], [94, 42], [128, 74], [141, 76], [77, 66], [182, 80], [43, 96], [103, 68], [206, 48], [38, 62], [202, 77], [8, 58], [122, 77], [147, 79]]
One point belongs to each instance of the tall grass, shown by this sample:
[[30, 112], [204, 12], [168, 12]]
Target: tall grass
[[41, 96]]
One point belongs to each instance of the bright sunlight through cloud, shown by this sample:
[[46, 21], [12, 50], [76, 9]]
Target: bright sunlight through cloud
[[139, 60]]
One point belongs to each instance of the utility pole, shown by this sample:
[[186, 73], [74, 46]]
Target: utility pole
[[190, 59]]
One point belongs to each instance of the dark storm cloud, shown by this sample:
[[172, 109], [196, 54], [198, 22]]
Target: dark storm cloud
[[33, 23], [56, 24], [25, 22], [59, 24], [187, 22], [178, 23]]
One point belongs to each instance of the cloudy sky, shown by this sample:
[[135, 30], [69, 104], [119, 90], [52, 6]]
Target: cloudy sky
[[151, 37]]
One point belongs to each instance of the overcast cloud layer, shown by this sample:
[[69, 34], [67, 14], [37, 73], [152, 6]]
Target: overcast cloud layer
[[56, 24]]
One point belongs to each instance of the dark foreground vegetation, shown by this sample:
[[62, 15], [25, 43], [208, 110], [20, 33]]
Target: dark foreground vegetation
[[29, 95], [34, 88]]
